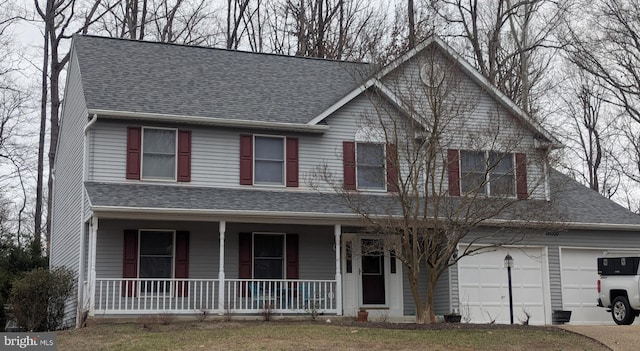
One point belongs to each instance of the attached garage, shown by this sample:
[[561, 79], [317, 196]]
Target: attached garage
[[579, 276], [484, 291]]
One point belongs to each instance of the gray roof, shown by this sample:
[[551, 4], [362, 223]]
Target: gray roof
[[134, 76], [572, 202]]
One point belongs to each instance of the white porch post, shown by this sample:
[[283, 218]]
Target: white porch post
[[337, 232], [222, 229], [93, 238]]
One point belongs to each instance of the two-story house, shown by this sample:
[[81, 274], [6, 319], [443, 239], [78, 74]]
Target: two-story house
[[186, 180]]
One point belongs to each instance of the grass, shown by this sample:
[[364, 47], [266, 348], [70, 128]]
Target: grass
[[212, 335]]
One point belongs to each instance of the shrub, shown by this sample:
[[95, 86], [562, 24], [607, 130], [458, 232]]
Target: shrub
[[38, 299]]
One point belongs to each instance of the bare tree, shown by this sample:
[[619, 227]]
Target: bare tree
[[512, 42], [591, 131], [431, 218]]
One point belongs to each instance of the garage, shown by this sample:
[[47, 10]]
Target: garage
[[579, 276], [483, 286]]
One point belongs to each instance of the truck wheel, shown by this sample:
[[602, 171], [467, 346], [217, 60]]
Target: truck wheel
[[621, 311]]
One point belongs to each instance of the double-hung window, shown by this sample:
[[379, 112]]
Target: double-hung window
[[370, 166], [487, 173], [159, 154], [268, 256], [156, 259], [269, 160]]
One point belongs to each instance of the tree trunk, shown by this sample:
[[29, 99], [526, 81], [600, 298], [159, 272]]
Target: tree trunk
[[412, 24]]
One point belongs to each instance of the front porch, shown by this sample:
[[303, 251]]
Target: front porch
[[194, 296]]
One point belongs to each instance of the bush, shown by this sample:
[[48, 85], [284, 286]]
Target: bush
[[38, 299]]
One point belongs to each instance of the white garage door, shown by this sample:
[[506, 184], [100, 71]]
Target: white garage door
[[579, 274], [484, 290]]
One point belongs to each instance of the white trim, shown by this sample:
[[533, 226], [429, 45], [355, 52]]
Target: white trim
[[337, 233], [207, 214], [175, 154], [211, 121]]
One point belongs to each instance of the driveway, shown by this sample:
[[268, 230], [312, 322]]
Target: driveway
[[617, 337]]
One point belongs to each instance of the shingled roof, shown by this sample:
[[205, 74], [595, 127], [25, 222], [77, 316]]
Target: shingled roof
[[146, 77], [573, 203]]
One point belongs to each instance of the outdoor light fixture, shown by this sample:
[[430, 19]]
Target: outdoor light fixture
[[508, 263]]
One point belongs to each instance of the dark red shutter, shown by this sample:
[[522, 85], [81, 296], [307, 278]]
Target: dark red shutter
[[184, 156], [292, 162], [453, 161], [244, 255], [134, 147], [246, 159], [521, 176], [349, 164], [392, 167], [292, 256], [182, 263], [130, 262]]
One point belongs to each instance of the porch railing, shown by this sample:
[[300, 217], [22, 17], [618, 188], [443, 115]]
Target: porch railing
[[280, 296], [189, 296], [130, 295]]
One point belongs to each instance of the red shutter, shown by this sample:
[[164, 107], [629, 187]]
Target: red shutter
[[453, 160], [134, 147], [392, 167], [246, 159], [292, 256], [182, 263], [349, 164], [292, 162], [184, 156], [130, 262], [244, 255], [521, 176]]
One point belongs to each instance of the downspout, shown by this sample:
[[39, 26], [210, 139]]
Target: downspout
[[81, 267], [545, 165]]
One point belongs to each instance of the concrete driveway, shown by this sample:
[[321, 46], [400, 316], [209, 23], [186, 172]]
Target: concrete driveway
[[616, 337]]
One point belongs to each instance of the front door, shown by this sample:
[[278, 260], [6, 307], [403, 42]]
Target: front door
[[373, 289]]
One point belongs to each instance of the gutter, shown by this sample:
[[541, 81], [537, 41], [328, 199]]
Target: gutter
[[212, 121], [343, 218]]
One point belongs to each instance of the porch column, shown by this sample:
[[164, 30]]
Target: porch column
[[222, 228], [337, 232], [93, 238]]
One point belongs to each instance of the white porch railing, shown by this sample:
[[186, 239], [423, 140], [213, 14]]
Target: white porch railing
[[189, 296], [280, 296], [133, 296]]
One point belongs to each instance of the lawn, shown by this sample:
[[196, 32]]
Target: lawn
[[307, 335]]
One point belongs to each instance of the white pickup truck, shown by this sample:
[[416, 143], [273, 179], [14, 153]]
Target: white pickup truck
[[619, 287]]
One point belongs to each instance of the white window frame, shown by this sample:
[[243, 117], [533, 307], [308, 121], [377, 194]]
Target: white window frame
[[384, 167], [284, 254], [175, 153], [488, 173], [284, 160], [141, 291]]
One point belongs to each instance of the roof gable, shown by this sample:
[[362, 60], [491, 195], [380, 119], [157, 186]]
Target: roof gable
[[436, 43]]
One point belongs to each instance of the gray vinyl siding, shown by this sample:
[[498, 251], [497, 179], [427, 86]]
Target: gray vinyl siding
[[316, 254], [67, 191], [600, 239]]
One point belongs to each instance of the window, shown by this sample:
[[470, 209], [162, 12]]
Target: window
[[268, 256], [370, 163], [156, 259], [269, 160], [489, 173], [159, 154]]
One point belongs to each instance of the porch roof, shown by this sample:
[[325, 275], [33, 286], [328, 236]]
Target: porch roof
[[573, 205]]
